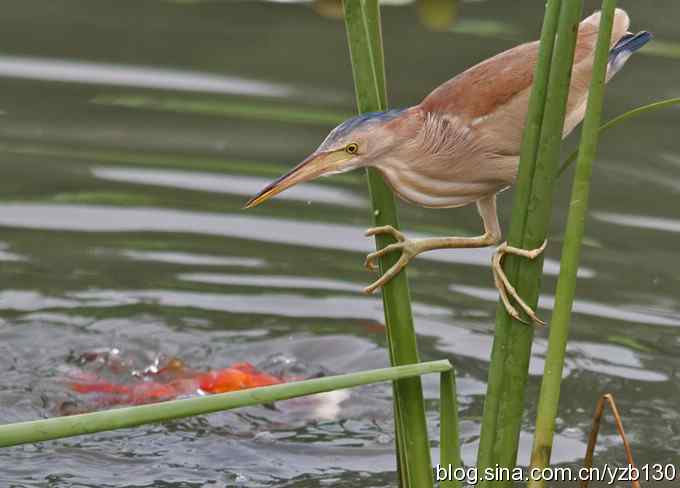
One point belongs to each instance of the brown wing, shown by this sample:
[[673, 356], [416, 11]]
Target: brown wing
[[487, 85], [480, 90]]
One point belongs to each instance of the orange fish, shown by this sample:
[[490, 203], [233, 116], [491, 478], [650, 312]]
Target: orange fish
[[172, 381]]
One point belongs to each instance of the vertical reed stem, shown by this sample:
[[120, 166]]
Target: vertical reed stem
[[508, 372], [449, 436], [362, 19], [571, 250], [532, 134]]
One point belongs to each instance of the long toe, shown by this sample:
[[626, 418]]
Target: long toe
[[386, 229], [371, 257], [408, 251], [387, 276], [525, 253], [505, 288]]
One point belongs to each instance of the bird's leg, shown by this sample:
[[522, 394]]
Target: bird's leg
[[487, 210], [492, 235], [412, 247]]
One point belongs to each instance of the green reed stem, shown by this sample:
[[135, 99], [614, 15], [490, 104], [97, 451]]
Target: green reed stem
[[120, 418], [449, 437], [571, 250], [529, 149], [362, 20], [652, 107], [508, 372]]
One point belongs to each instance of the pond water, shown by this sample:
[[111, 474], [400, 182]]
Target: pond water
[[131, 134]]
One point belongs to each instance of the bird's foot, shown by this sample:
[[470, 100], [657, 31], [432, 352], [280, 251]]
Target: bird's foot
[[504, 286], [409, 249]]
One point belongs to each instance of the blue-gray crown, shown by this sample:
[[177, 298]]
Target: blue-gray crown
[[350, 125]]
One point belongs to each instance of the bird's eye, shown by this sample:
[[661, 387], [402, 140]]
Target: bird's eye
[[352, 148]]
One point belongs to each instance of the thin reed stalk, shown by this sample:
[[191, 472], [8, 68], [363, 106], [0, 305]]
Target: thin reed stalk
[[508, 372], [362, 20], [449, 436], [652, 107], [606, 399], [60, 427], [566, 285]]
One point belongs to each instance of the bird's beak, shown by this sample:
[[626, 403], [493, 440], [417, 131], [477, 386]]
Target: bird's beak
[[315, 165]]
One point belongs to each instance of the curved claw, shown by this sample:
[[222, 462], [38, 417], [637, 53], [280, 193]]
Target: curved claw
[[388, 275], [386, 229], [371, 257], [534, 253], [504, 286], [512, 311]]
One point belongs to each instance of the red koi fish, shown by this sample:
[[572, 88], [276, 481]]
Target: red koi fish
[[172, 381]]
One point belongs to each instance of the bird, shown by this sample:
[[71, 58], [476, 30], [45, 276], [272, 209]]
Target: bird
[[459, 145]]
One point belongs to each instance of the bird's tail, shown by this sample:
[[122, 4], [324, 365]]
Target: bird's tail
[[623, 42], [624, 48], [630, 43]]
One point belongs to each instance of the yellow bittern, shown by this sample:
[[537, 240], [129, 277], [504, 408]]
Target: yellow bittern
[[460, 145]]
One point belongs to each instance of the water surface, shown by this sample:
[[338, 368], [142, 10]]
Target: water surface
[[132, 133]]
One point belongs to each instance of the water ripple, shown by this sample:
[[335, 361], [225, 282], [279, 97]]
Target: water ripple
[[639, 221], [6, 255], [284, 304], [230, 184], [190, 259], [343, 237], [584, 307], [269, 281], [46, 69]]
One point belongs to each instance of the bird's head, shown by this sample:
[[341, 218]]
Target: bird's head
[[355, 143]]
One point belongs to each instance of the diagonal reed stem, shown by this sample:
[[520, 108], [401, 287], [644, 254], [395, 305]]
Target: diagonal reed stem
[[362, 19], [120, 418], [571, 250], [652, 107]]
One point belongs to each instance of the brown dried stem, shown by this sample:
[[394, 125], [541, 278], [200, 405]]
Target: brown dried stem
[[607, 398]]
